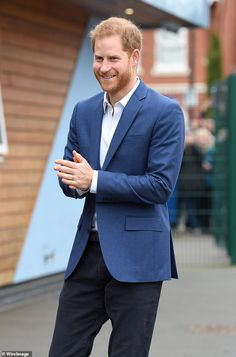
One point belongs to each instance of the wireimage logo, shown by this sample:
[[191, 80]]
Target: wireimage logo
[[16, 354]]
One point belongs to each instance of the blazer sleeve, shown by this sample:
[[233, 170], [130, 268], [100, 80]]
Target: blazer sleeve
[[164, 160], [72, 144]]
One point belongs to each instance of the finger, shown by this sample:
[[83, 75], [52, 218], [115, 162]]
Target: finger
[[66, 163], [67, 182], [68, 177], [78, 158], [64, 169]]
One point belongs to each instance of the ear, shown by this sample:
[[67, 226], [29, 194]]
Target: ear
[[136, 56]]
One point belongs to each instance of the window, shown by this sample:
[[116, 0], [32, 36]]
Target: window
[[3, 135], [171, 52]]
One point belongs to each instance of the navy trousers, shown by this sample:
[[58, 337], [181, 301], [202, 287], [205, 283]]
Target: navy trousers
[[90, 297]]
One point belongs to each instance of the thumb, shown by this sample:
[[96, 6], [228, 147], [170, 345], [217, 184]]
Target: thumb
[[78, 158]]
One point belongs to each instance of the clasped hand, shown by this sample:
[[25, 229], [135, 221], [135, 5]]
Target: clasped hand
[[77, 174]]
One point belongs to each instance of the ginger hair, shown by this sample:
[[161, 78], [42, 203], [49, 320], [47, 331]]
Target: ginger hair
[[130, 34]]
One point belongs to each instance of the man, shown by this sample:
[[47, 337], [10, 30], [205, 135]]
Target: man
[[123, 154]]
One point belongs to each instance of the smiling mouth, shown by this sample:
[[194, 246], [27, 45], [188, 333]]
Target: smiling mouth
[[106, 78]]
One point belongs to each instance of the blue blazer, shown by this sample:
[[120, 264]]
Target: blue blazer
[[137, 178]]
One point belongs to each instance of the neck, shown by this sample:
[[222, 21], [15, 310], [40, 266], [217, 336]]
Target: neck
[[113, 99]]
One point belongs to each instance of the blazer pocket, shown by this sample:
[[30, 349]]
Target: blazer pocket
[[134, 139], [143, 224]]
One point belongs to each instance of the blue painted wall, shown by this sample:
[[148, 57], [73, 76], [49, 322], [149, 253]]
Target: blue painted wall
[[54, 221], [196, 12]]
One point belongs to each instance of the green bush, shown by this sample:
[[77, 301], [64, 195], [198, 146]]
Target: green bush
[[214, 63]]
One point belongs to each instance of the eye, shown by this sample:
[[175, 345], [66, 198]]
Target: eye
[[98, 59], [114, 59]]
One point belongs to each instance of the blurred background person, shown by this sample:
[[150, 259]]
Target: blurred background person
[[191, 183], [205, 141]]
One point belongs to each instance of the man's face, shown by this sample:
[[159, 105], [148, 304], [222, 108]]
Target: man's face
[[114, 68]]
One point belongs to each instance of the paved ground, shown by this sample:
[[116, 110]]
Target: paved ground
[[197, 318]]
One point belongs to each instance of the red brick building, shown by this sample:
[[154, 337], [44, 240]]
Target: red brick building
[[175, 63], [223, 21]]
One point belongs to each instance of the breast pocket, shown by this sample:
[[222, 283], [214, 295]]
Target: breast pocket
[[134, 140], [143, 224]]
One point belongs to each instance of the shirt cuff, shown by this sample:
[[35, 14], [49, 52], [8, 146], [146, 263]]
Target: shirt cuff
[[93, 188]]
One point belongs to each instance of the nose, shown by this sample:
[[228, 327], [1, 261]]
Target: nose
[[105, 66]]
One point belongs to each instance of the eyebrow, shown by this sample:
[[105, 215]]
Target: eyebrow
[[110, 56]]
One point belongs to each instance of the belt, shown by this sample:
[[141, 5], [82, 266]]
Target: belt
[[93, 236]]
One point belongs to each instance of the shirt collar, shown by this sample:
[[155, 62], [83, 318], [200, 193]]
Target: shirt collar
[[124, 100]]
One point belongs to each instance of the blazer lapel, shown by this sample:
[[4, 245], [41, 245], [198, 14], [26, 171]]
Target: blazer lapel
[[96, 136], [127, 118]]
